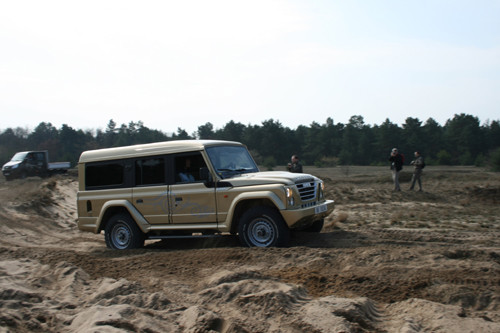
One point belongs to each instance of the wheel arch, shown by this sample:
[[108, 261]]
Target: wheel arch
[[112, 208], [108, 213], [244, 205]]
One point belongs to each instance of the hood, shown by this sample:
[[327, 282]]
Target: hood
[[11, 164], [270, 177]]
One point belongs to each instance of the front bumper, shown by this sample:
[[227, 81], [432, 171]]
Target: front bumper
[[303, 217], [11, 173]]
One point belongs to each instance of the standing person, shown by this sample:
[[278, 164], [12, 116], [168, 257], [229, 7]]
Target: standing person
[[419, 164], [295, 165], [396, 160]]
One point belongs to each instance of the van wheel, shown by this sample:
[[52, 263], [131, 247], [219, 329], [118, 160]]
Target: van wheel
[[263, 227], [122, 233]]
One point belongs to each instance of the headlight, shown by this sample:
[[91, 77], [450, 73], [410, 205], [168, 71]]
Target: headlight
[[14, 166], [289, 196], [321, 190]]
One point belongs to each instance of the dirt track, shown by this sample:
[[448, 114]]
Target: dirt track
[[388, 262]]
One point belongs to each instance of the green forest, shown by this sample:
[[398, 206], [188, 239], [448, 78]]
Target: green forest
[[462, 140]]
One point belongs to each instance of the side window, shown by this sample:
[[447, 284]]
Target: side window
[[30, 158], [40, 157], [187, 167], [104, 175], [150, 171]]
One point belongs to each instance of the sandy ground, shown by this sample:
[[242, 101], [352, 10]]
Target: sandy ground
[[387, 262]]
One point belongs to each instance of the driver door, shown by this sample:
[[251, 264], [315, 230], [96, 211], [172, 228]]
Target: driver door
[[191, 200]]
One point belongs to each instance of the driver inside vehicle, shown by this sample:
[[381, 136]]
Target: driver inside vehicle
[[185, 175]]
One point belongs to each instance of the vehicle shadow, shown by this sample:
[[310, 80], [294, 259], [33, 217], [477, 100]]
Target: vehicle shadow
[[218, 241], [330, 239]]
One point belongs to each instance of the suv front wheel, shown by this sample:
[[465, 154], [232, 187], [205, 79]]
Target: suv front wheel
[[263, 227], [122, 233]]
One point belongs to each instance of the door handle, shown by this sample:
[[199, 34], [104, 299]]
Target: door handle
[[178, 198], [139, 201]]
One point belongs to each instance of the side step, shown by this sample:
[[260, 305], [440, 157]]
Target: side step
[[197, 236]]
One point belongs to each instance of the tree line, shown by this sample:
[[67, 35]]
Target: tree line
[[462, 140]]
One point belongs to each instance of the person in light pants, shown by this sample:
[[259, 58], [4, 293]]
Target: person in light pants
[[396, 160]]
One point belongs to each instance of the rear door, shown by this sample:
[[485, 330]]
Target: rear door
[[151, 191]]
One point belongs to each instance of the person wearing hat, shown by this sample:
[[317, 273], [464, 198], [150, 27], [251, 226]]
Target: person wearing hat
[[396, 160]]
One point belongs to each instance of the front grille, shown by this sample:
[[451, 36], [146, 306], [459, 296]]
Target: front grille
[[307, 190], [309, 204]]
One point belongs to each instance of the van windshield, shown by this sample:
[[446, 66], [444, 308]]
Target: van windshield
[[231, 160], [19, 157]]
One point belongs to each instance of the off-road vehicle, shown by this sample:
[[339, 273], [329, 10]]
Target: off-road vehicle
[[32, 163], [193, 188]]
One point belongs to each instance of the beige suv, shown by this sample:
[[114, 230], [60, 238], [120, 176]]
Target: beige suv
[[193, 188]]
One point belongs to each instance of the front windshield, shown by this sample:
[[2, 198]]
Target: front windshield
[[231, 160], [19, 157]]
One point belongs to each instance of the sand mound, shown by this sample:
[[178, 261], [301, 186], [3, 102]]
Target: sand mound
[[488, 194], [35, 297], [417, 315], [250, 291], [334, 314]]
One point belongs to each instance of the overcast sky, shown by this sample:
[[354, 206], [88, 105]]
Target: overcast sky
[[182, 64]]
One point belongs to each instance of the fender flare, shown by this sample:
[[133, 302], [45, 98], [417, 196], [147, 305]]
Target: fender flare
[[268, 195], [134, 213]]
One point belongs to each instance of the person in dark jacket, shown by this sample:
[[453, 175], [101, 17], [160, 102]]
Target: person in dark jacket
[[295, 165], [396, 160]]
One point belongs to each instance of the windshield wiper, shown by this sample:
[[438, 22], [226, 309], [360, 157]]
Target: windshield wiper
[[235, 170]]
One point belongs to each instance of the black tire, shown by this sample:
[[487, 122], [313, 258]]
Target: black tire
[[122, 233], [317, 226], [263, 227]]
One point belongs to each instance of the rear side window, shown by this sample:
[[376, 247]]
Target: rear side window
[[104, 175], [40, 157], [150, 171]]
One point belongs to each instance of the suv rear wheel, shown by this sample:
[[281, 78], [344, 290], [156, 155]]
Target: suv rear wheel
[[122, 233], [263, 227]]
